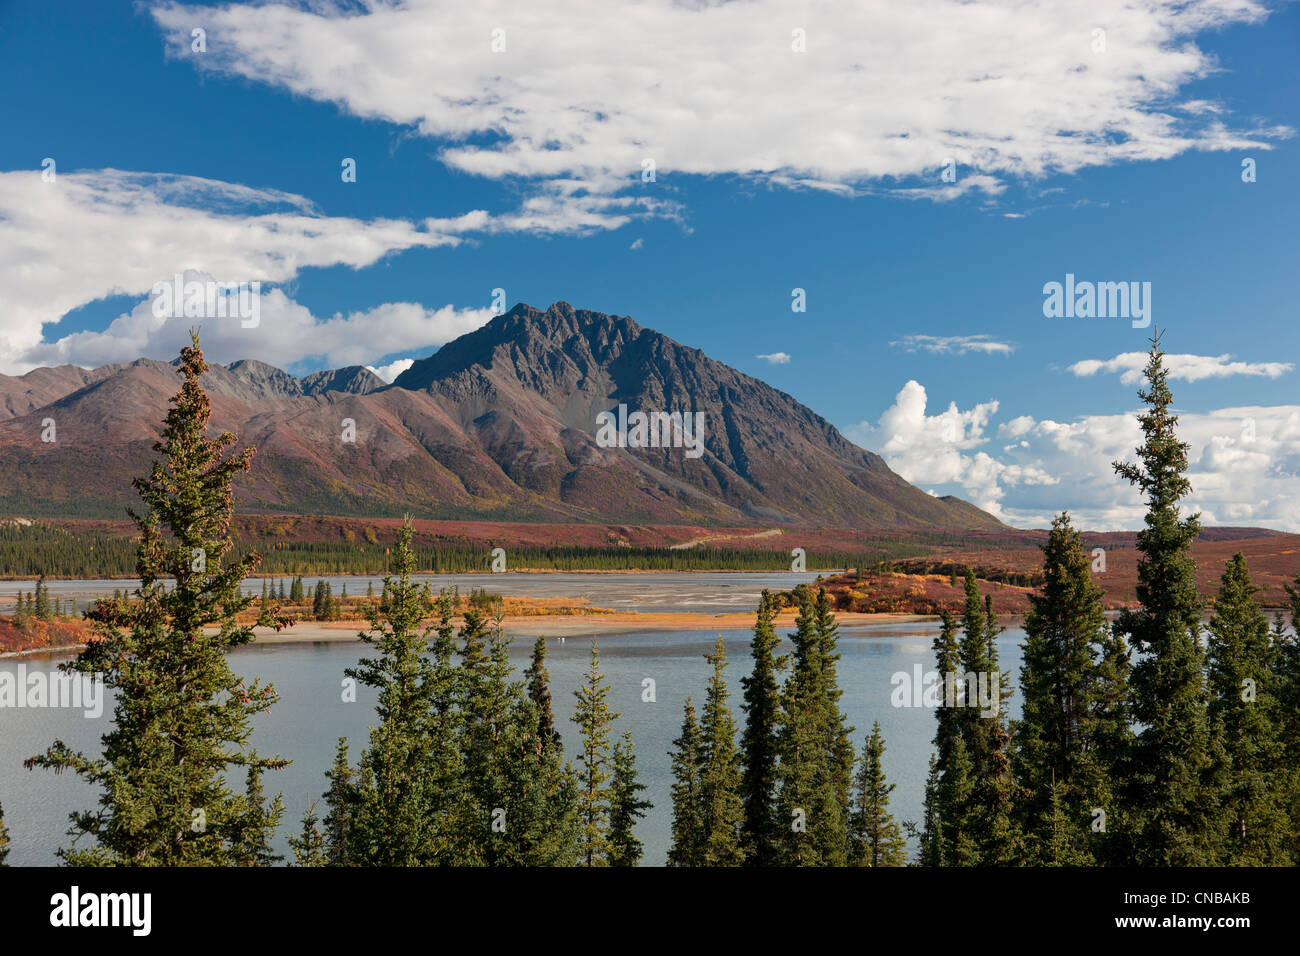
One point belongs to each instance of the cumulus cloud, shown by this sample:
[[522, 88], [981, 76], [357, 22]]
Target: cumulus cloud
[[286, 333], [954, 344], [776, 358], [1190, 368], [832, 96], [945, 448], [1244, 462]]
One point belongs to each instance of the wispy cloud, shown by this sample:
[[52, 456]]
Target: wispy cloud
[[954, 344], [1188, 367], [776, 358]]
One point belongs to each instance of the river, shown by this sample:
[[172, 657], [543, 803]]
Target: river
[[311, 714]]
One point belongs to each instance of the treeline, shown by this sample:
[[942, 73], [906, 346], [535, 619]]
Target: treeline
[[29, 550]]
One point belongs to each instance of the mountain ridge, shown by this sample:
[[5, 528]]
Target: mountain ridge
[[498, 423]]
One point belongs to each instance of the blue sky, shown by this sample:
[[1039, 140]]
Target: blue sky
[[776, 169]]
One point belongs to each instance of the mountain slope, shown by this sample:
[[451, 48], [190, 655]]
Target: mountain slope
[[499, 423]]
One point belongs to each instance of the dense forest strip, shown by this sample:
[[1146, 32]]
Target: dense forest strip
[[32, 549]]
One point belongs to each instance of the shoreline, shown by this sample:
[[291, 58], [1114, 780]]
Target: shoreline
[[447, 574], [601, 625]]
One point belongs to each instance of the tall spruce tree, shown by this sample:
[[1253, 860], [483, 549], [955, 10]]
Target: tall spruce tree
[[760, 829], [1058, 760], [814, 772], [687, 847], [516, 778], [340, 802], [938, 817], [841, 755], [539, 691], [1243, 711], [595, 720], [625, 805], [875, 839], [43, 611], [181, 718], [1171, 788], [957, 821], [929, 834], [721, 809], [394, 819]]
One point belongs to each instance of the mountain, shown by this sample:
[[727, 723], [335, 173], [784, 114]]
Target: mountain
[[501, 423]]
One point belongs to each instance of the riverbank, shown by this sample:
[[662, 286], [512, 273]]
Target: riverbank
[[578, 626], [603, 625]]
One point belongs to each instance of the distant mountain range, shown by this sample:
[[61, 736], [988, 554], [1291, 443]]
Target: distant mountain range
[[499, 424]]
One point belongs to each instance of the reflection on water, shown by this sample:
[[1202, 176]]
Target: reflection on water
[[311, 715]]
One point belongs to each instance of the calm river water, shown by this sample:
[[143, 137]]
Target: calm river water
[[310, 716]]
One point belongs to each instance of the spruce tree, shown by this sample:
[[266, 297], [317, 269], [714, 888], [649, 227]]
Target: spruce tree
[[930, 835], [939, 817], [1243, 711], [309, 846], [594, 719], [815, 772], [516, 779], [687, 830], [760, 829], [957, 820], [875, 839], [181, 718], [252, 843], [340, 801], [43, 610], [1171, 790], [841, 755], [1059, 761], [721, 809], [539, 691], [394, 818], [625, 806]]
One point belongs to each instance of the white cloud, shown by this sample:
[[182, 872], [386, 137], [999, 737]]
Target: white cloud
[[954, 344], [91, 235], [944, 448], [776, 358], [884, 95], [390, 372], [1244, 463], [637, 244], [1190, 368], [285, 334]]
